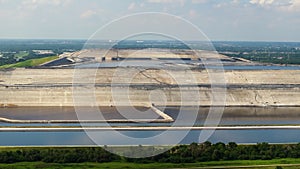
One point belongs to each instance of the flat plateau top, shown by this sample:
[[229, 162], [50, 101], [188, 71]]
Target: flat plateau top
[[33, 77]]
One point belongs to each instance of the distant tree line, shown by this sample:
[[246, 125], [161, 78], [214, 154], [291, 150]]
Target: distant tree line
[[179, 154], [57, 155], [8, 48], [275, 57], [9, 57]]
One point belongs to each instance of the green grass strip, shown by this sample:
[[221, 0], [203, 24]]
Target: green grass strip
[[29, 63], [286, 163]]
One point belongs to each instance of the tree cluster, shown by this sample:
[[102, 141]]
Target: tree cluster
[[58, 155], [178, 154], [231, 151]]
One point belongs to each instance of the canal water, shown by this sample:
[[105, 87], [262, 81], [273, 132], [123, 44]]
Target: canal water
[[82, 139], [231, 116]]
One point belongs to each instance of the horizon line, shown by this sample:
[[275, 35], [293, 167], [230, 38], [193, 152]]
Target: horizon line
[[79, 39]]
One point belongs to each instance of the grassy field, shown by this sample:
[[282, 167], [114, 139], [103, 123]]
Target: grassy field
[[29, 63], [254, 164]]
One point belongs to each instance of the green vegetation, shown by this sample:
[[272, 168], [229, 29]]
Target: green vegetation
[[21, 55], [277, 58], [14, 51], [267, 52], [183, 156], [270, 164], [30, 63]]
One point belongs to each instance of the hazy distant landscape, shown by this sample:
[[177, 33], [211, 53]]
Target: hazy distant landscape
[[13, 51]]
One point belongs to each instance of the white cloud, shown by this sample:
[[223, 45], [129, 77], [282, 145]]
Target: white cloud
[[262, 2], [193, 13], [87, 14], [283, 5], [221, 5], [42, 2], [33, 4], [3, 1], [181, 2], [131, 6], [198, 1], [294, 6], [161, 1], [273, 3], [235, 1]]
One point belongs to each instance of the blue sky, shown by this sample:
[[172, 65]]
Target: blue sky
[[243, 20]]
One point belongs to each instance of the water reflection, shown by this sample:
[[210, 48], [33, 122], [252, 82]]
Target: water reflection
[[231, 116], [81, 139]]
